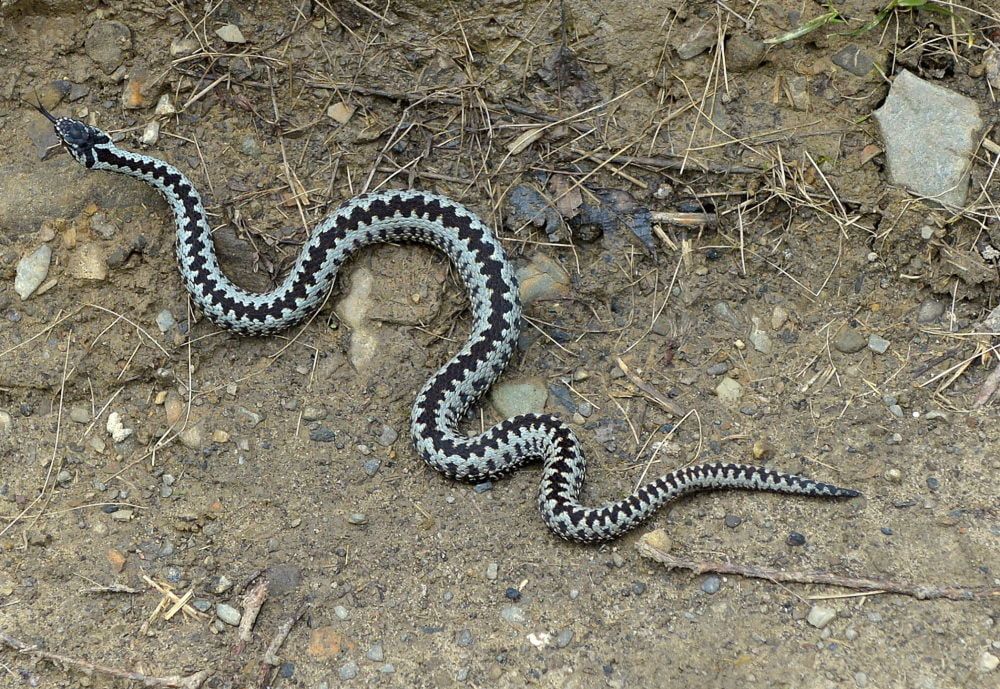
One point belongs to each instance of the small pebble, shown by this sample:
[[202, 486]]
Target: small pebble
[[564, 638], [388, 436], [31, 271], [165, 320], [733, 520], [930, 311], [151, 133], [894, 475], [311, 413], [483, 487], [322, 435], [513, 614], [492, 571], [79, 414], [849, 341], [877, 344], [778, 317], [711, 584], [348, 670], [341, 612], [988, 662], [231, 33], [376, 653], [513, 594], [886, 531], [861, 680], [464, 638], [795, 539], [371, 466], [357, 518], [164, 106], [228, 614], [729, 390], [820, 616], [718, 369], [933, 483]]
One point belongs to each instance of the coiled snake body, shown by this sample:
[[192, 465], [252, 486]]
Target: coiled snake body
[[413, 216]]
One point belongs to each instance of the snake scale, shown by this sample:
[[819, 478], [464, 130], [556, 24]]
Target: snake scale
[[415, 216]]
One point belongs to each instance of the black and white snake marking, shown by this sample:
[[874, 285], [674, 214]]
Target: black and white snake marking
[[415, 216]]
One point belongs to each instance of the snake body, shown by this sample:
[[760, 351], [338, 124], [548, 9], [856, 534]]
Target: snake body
[[414, 216]]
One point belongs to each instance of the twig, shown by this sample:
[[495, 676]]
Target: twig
[[271, 659], [253, 601], [176, 681], [647, 548], [654, 394]]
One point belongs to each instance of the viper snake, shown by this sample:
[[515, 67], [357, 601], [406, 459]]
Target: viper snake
[[444, 400]]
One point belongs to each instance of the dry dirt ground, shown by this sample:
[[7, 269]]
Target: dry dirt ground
[[280, 460]]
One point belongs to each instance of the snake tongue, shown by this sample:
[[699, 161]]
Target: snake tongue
[[39, 108]]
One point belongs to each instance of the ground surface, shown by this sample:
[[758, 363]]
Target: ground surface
[[813, 250]]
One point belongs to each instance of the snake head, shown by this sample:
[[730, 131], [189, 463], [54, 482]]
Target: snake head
[[79, 139]]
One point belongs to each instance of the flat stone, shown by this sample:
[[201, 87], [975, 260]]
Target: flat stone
[[527, 396], [230, 33], [930, 134], [703, 38], [106, 44], [851, 58], [987, 662], [543, 278], [744, 53], [729, 391], [820, 616], [878, 344], [930, 311], [712, 584], [88, 263], [79, 414], [326, 643], [849, 341], [513, 614], [760, 339], [376, 653], [31, 271]]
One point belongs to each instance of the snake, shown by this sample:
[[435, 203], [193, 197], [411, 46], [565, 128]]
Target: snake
[[410, 216]]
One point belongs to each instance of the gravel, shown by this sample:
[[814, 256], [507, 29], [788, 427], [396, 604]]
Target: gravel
[[711, 584]]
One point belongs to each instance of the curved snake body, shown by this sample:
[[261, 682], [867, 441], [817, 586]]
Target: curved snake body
[[413, 216]]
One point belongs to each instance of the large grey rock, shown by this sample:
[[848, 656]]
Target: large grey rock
[[930, 134]]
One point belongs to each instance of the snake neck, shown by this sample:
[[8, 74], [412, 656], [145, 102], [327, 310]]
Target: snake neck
[[215, 295]]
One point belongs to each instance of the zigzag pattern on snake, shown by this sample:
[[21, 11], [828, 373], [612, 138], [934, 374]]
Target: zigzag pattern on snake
[[414, 216]]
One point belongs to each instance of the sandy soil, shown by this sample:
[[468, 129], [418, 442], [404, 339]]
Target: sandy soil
[[409, 579]]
